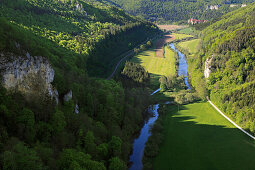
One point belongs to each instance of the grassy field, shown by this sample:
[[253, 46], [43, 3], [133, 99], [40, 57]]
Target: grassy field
[[155, 65], [187, 30], [197, 137], [192, 45], [181, 36]]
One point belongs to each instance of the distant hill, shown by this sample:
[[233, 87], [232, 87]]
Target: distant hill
[[168, 11], [227, 60]]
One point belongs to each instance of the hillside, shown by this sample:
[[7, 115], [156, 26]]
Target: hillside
[[55, 111], [88, 28], [168, 11], [227, 61]]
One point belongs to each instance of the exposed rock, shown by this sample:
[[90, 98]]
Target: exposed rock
[[79, 7], [17, 45], [68, 96], [213, 7], [208, 67], [27, 74], [233, 5], [76, 109]]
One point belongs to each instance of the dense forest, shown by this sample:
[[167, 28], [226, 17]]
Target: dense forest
[[228, 50], [80, 39], [169, 11]]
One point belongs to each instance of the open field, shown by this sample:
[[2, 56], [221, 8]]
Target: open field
[[198, 137], [160, 44], [187, 30], [155, 65], [171, 27], [192, 45], [181, 36]]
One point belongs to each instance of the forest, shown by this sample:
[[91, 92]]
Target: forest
[[229, 44], [169, 11], [76, 37]]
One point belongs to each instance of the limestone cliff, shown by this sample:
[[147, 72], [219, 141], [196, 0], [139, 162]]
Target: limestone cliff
[[208, 67], [30, 75]]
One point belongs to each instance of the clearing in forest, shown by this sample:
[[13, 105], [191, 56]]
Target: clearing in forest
[[155, 65], [199, 136], [192, 46]]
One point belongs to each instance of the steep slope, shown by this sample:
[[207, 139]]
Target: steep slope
[[53, 114], [168, 11], [88, 28], [227, 59]]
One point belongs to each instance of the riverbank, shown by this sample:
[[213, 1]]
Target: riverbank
[[198, 135]]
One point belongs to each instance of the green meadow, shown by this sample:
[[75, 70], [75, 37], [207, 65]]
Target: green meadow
[[155, 65], [181, 36], [197, 137], [192, 45]]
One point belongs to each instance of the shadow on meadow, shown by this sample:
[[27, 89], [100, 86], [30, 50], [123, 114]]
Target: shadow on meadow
[[197, 141]]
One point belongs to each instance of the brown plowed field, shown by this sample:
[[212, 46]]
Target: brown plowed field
[[170, 27], [160, 44]]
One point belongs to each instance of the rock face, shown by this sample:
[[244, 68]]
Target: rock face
[[76, 109], [208, 67], [30, 75], [68, 96]]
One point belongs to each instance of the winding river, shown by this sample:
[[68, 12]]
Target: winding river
[[139, 143]]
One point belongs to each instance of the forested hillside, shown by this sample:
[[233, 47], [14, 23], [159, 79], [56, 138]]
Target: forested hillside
[[86, 28], [168, 11], [94, 128], [228, 57]]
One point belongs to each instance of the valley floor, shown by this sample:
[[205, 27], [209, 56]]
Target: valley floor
[[198, 137]]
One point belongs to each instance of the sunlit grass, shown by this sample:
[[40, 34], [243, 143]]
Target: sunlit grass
[[192, 45], [187, 30], [155, 65], [199, 136], [181, 36]]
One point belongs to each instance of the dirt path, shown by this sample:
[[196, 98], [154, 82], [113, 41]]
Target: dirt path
[[230, 120], [160, 44]]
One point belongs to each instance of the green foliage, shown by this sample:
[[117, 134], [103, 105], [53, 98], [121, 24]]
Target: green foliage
[[21, 156], [26, 122], [135, 72], [172, 11], [58, 122], [172, 83], [115, 146], [70, 158], [117, 164], [229, 44], [76, 45]]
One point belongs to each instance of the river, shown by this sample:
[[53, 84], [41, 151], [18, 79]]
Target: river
[[139, 143]]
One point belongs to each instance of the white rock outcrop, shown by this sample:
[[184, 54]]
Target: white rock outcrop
[[68, 96], [208, 67], [27, 74], [76, 109]]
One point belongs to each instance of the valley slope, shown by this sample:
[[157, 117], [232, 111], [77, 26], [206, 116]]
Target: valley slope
[[176, 10], [227, 61], [55, 111]]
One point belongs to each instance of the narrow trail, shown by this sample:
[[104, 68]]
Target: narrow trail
[[230, 120]]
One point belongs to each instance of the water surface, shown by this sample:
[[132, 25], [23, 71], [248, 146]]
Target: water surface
[[139, 143]]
